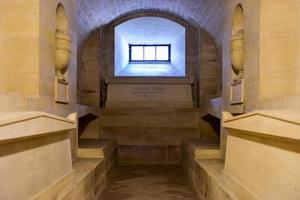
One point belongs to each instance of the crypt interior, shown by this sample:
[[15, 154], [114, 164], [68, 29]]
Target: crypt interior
[[150, 100]]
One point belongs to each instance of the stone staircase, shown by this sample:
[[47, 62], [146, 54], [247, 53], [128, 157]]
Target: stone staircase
[[149, 136]]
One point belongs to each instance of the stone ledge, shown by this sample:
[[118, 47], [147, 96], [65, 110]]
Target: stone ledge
[[218, 185], [89, 177], [208, 178], [203, 150], [267, 123], [92, 148], [263, 152], [19, 125]]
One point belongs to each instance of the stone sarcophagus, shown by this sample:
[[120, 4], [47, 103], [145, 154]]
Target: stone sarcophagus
[[35, 154], [149, 96], [263, 153]]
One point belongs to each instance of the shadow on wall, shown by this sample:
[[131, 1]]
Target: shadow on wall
[[214, 122], [84, 122]]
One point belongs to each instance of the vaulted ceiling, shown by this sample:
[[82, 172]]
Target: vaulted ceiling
[[206, 14]]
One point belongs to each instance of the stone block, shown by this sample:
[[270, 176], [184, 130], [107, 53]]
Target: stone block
[[35, 154], [263, 153], [129, 95]]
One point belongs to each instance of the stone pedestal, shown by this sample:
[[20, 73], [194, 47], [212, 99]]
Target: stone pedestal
[[61, 91], [263, 153], [35, 154]]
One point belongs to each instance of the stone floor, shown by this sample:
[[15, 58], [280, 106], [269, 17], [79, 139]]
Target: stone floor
[[149, 183]]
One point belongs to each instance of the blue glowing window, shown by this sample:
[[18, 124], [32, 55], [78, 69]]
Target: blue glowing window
[[149, 53]]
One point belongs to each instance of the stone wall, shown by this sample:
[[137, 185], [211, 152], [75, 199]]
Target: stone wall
[[209, 82], [270, 67], [19, 49], [251, 61], [28, 54], [89, 72], [271, 70], [279, 55]]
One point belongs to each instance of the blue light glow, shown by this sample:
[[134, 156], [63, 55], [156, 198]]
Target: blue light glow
[[150, 31]]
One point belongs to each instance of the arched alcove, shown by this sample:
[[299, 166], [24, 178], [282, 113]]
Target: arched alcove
[[62, 55], [98, 57], [237, 52], [149, 47], [88, 78], [189, 33], [237, 42]]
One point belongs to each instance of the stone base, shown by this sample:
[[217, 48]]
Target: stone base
[[104, 149], [89, 179], [35, 154], [203, 150], [89, 176], [207, 178], [150, 136], [86, 182], [149, 155]]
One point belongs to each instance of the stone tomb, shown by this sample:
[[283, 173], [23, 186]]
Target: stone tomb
[[35, 154], [263, 153], [149, 95]]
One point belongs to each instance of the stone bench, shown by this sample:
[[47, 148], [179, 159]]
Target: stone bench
[[101, 149], [204, 169]]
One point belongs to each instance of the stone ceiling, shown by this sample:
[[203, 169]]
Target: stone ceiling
[[92, 14]]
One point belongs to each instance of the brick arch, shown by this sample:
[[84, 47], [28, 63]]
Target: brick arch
[[206, 14]]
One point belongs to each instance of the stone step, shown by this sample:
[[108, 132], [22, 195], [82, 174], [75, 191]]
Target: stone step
[[87, 181], [155, 118], [89, 178], [211, 183], [149, 136], [203, 149], [100, 149], [207, 175], [152, 155], [95, 148]]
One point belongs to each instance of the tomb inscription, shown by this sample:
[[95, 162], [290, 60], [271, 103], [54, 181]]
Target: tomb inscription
[[149, 92], [136, 95]]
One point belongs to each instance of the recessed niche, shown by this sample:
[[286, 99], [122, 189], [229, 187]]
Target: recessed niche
[[149, 47], [237, 56], [62, 56]]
